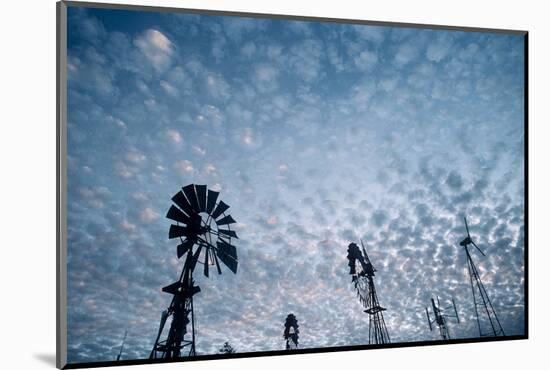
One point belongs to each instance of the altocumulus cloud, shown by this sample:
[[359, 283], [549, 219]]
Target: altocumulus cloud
[[317, 135]]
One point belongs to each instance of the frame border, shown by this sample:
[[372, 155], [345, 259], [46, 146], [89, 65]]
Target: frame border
[[61, 190], [166, 9], [61, 186]]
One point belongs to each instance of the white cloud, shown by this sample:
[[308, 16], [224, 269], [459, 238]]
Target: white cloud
[[305, 59], [128, 226], [135, 157], [200, 151], [210, 168], [406, 52], [366, 60], [174, 136], [156, 47], [439, 49], [184, 167], [124, 171], [217, 86], [169, 89], [248, 49], [148, 215], [373, 34]]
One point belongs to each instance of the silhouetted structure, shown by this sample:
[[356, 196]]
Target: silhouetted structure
[[364, 284], [291, 332], [227, 348], [481, 299], [440, 318], [201, 226], [122, 346]]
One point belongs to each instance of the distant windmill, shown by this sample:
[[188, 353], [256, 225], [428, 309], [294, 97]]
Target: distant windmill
[[122, 346], [291, 332], [364, 284], [201, 226], [440, 318], [481, 299]]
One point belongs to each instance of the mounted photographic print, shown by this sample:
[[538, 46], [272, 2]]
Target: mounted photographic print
[[234, 185]]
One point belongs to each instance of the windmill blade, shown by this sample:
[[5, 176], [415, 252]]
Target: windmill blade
[[229, 262], [182, 202], [466, 223], [429, 320], [177, 231], [436, 310], [184, 247], [364, 250], [227, 248], [174, 213], [228, 233], [212, 197], [191, 195], [221, 208], [196, 257], [201, 196], [226, 221], [456, 312], [217, 263], [206, 262], [480, 251], [228, 255]]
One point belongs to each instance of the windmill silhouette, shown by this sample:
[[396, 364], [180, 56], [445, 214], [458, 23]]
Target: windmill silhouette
[[487, 320], [364, 284], [440, 318], [291, 332], [203, 229]]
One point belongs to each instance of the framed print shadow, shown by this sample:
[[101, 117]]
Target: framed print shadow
[[235, 184]]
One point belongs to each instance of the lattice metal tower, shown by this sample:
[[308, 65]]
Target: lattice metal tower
[[201, 226], [366, 291], [487, 319], [440, 318]]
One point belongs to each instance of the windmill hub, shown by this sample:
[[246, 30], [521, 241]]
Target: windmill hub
[[466, 241]]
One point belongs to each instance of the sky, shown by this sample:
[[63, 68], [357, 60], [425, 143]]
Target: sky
[[317, 135]]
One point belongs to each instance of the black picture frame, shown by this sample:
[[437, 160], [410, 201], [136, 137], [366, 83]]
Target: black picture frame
[[61, 216]]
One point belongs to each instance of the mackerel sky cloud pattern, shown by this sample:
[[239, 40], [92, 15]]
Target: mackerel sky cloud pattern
[[316, 135]]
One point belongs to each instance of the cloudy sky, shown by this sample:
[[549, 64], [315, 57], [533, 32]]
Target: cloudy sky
[[317, 135]]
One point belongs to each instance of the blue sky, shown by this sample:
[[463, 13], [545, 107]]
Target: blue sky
[[317, 135]]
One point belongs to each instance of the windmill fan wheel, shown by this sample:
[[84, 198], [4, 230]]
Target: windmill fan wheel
[[203, 227]]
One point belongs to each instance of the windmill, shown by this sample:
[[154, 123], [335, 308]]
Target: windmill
[[291, 332], [482, 304], [440, 318], [205, 235], [122, 346], [364, 284]]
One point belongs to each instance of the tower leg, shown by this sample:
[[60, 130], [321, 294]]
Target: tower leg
[[481, 298], [180, 308], [378, 333]]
